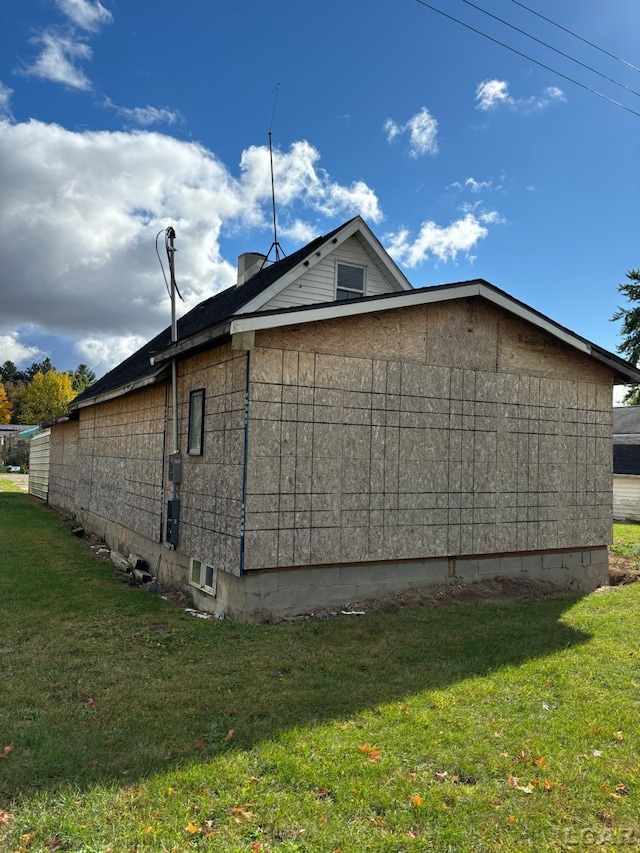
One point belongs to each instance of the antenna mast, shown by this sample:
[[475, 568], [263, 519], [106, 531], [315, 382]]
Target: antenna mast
[[275, 245]]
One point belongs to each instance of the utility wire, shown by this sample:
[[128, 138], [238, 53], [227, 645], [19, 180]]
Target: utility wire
[[530, 58], [571, 32], [555, 49]]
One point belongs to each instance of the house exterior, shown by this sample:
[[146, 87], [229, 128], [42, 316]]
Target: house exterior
[[626, 463], [342, 435]]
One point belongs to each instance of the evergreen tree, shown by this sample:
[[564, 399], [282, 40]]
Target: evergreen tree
[[630, 331]]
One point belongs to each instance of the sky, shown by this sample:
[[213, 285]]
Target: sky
[[466, 158]]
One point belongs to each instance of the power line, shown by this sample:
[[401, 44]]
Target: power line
[[571, 32], [555, 49], [530, 58]]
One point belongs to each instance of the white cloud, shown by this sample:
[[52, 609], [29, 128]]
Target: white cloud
[[493, 93], [105, 352], [5, 98], [422, 129], [443, 243], [11, 349], [80, 213], [490, 93], [146, 116], [473, 185], [86, 15], [57, 58]]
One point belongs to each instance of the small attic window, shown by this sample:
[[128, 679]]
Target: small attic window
[[350, 281]]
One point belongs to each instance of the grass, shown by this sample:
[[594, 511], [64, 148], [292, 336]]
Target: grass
[[8, 486], [135, 727], [626, 540]]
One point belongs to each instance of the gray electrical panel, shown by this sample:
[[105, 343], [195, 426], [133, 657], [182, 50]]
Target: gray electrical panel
[[173, 520], [175, 467]]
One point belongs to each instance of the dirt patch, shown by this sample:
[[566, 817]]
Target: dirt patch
[[622, 570]]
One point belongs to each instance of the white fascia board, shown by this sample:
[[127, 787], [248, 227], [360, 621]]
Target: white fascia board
[[352, 308], [402, 300]]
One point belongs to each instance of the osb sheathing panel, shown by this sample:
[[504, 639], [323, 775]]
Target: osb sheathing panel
[[63, 465], [411, 434], [211, 488], [117, 470]]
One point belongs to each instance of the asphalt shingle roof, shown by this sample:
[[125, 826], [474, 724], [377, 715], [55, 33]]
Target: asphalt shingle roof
[[212, 311]]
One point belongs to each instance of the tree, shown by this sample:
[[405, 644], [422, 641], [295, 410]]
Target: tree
[[630, 331], [46, 397], [81, 378], [37, 367], [5, 406]]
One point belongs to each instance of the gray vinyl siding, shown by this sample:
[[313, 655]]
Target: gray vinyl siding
[[39, 455], [626, 497], [319, 284]]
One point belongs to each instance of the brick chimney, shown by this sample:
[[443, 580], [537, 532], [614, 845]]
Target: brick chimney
[[249, 263]]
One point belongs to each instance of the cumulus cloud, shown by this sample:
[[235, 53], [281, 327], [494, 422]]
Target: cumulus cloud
[[56, 61], [11, 349], [491, 94], [422, 129], [435, 241], [81, 211], [88, 16], [5, 98]]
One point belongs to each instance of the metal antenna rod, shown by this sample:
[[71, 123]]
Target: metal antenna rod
[[276, 245]]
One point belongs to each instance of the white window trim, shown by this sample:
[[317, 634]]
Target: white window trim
[[210, 589], [357, 294]]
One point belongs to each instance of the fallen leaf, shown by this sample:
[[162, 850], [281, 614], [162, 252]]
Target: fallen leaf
[[374, 755], [376, 821], [192, 829], [5, 752], [410, 834], [54, 844], [619, 737], [512, 781], [26, 838], [441, 776], [512, 819], [596, 730], [497, 734], [522, 755], [416, 801], [89, 702], [148, 830], [200, 742], [496, 804], [597, 753], [539, 762], [621, 788], [365, 747], [547, 785], [4, 817], [257, 847], [229, 735], [405, 709]]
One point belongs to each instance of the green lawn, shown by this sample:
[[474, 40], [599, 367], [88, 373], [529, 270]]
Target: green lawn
[[128, 726], [7, 486]]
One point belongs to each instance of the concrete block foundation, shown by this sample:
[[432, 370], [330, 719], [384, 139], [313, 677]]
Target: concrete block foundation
[[276, 592]]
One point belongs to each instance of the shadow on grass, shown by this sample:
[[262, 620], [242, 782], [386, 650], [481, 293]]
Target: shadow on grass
[[104, 683]]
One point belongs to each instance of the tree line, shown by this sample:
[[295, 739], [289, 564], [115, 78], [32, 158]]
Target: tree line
[[39, 392]]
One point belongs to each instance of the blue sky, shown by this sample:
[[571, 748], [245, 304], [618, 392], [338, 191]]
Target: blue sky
[[467, 160]]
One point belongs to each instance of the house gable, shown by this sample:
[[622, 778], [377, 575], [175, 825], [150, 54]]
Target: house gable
[[312, 280]]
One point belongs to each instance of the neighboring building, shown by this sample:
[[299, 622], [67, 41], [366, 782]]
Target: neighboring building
[[343, 435], [39, 460], [626, 463], [14, 444]]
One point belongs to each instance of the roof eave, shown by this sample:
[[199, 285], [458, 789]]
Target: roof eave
[[114, 393]]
